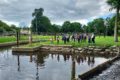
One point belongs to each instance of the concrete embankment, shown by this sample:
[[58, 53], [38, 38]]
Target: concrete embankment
[[98, 69], [46, 48], [69, 49]]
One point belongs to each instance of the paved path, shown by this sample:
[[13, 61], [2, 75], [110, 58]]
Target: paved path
[[112, 73]]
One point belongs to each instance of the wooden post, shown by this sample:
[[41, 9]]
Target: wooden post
[[30, 37], [17, 38]]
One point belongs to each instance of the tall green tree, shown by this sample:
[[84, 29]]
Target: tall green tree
[[90, 27], [109, 26], [55, 29], [66, 26], [99, 26], [38, 12], [115, 4], [76, 27], [40, 23], [71, 27], [1, 30], [14, 28], [5, 26], [96, 26], [85, 29]]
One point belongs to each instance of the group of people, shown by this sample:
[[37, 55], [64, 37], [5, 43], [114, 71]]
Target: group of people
[[83, 37]]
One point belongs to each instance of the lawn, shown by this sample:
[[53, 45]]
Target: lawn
[[5, 39], [100, 41]]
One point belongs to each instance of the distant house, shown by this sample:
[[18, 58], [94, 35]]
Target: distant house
[[24, 32]]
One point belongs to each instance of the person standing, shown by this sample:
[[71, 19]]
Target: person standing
[[64, 39], [93, 38], [78, 38], [57, 39], [73, 37], [89, 38], [51, 40]]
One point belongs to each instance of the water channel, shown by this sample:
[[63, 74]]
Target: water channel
[[44, 65]]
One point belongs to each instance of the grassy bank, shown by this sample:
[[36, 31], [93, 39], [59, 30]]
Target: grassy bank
[[100, 41], [4, 39], [11, 39]]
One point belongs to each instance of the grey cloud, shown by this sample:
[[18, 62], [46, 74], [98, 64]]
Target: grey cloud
[[57, 10]]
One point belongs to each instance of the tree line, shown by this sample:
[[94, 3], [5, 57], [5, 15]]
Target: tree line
[[100, 26], [5, 28], [41, 23]]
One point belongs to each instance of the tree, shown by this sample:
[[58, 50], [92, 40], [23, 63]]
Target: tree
[[96, 26], [1, 30], [115, 4], [38, 12], [40, 23], [109, 26], [66, 27], [90, 27], [5, 29], [99, 25], [71, 27], [76, 27], [85, 29], [5, 26], [14, 28], [55, 29]]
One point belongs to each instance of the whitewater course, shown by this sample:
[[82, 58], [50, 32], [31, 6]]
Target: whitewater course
[[49, 62]]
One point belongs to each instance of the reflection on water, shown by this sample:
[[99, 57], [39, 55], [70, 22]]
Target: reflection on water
[[44, 66]]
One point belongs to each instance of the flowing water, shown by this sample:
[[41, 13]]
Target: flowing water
[[44, 66]]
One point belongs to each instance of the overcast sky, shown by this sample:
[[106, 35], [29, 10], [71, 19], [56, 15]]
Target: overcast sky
[[19, 12]]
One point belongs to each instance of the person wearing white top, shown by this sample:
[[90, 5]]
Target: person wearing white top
[[93, 38]]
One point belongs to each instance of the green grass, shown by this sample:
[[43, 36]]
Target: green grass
[[107, 41], [100, 41], [31, 45], [5, 39]]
